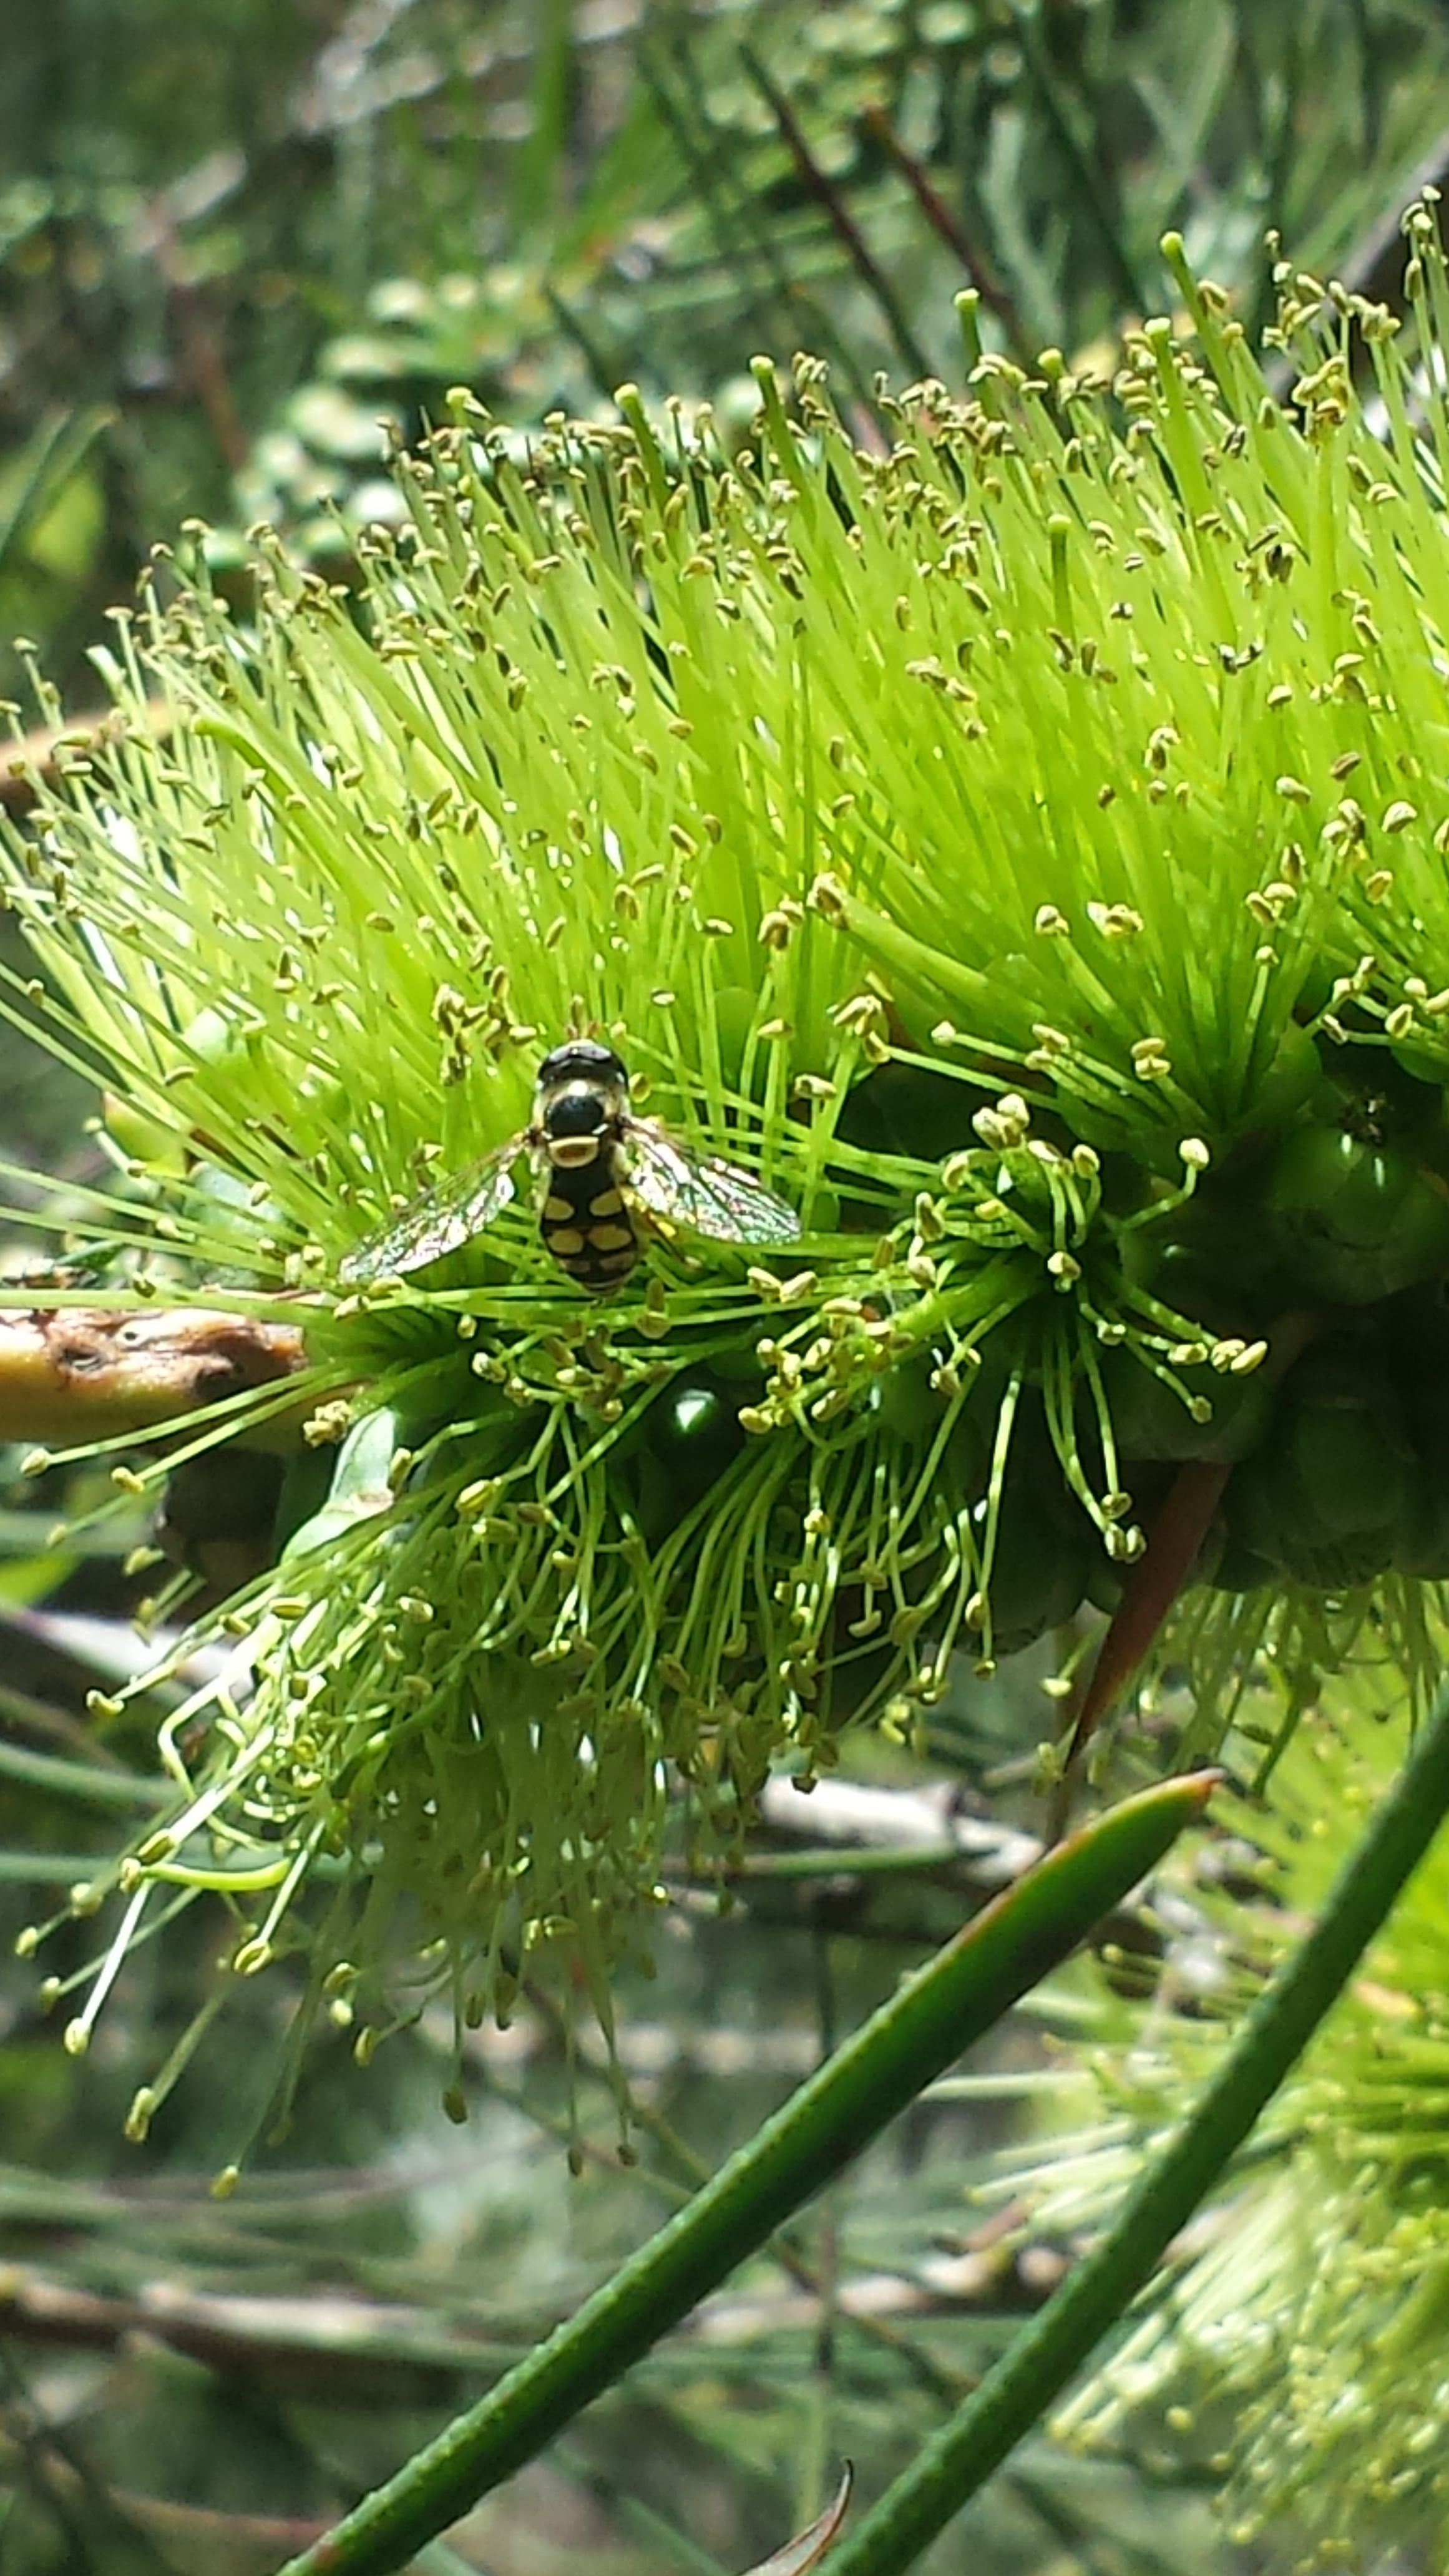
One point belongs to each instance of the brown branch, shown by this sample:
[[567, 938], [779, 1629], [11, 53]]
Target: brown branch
[[357, 2347], [948, 227], [225, 2544], [77, 1374], [40, 759], [1184, 1518], [202, 368], [1374, 267], [929, 1820], [837, 213]]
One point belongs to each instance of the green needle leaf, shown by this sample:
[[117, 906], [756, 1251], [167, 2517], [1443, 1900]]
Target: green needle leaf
[[1014, 2396], [942, 2009]]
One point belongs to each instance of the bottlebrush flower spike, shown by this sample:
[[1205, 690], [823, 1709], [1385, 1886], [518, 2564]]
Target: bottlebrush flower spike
[[1018, 852], [1295, 2348]]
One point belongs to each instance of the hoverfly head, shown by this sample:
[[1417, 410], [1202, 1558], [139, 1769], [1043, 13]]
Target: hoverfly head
[[583, 1091]]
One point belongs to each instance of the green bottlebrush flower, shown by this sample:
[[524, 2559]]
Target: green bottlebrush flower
[[1297, 2343], [975, 843]]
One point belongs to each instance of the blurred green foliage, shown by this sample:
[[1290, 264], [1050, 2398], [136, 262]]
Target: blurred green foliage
[[231, 239]]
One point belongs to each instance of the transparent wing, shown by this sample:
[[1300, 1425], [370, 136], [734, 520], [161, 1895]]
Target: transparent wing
[[442, 1220], [701, 1192]]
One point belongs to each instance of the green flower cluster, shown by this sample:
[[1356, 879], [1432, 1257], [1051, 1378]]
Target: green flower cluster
[[1295, 2348], [1017, 840]]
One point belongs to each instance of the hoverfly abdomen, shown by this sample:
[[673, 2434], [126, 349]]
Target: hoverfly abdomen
[[586, 1224]]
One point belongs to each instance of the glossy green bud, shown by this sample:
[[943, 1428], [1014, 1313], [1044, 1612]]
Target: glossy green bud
[[1356, 1221]]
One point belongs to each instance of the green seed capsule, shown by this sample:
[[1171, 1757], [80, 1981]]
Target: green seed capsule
[[687, 1439], [1038, 1580], [1290, 1080], [1105, 1581], [142, 1137], [906, 1404], [1344, 1441], [1235, 1567], [1045, 1543], [1151, 1422], [1415, 1342], [1423, 1544], [699, 1434], [1325, 1498], [1356, 1220]]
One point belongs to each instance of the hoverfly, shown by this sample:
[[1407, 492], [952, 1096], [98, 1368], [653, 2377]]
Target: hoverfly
[[597, 1163]]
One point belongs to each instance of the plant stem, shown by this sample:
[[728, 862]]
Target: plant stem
[[1045, 2355], [939, 2011]]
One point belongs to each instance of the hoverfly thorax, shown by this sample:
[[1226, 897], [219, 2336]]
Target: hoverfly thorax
[[581, 1098]]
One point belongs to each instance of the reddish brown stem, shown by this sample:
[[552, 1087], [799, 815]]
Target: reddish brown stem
[[1152, 1586]]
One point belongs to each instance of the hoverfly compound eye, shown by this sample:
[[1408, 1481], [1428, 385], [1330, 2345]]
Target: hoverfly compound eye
[[582, 1060]]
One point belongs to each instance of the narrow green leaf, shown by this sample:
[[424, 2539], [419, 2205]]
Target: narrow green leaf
[[56, 450], [940, 2010], [82, 1780], [1015, 2395]]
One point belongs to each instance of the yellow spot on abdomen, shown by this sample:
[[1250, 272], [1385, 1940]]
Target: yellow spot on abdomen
[[610, 1238], [565, 1240]]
